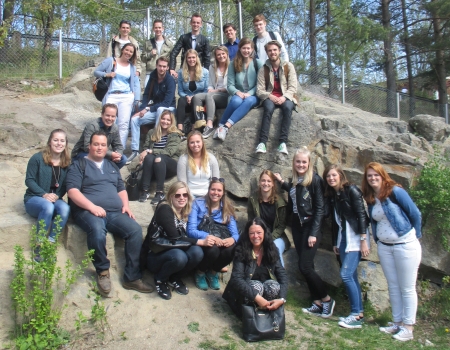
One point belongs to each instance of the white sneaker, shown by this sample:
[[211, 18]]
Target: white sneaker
[[261, 148], [282, 148], [391, 328], [222, 133], [216, 134], [403, 334]]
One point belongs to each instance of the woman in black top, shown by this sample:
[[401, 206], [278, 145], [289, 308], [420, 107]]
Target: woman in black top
[[257, 272], [306, 203], [170, 265]]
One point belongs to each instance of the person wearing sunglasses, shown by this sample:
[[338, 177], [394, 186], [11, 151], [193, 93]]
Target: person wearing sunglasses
[[118, 41], [171, 265], [217, 206]]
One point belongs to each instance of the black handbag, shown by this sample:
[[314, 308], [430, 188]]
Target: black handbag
[[214, 228], [160, 242], [259, 324], [101, 85], [132, 183]]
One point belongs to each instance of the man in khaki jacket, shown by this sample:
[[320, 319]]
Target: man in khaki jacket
[[123, 38], [276, 87], [155, 48]]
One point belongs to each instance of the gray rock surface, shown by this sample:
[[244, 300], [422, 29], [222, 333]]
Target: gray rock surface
[[431, 128]]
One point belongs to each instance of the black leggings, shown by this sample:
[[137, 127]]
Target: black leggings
[[216, 258], [167, 167], [300, 234], [182, 108]]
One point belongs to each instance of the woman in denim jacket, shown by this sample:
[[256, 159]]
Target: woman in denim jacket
[[192, 79], [396, 226]]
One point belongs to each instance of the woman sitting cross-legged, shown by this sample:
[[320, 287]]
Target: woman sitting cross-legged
[[171, 265], [241, 86], [158, 158], [218, 207], [258, 275], [192, 79]]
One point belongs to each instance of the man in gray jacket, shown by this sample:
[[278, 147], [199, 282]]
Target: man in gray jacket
[[107, 123], [276, 87]]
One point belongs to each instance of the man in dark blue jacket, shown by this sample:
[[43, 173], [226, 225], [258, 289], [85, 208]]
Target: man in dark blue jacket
[[158, 96]]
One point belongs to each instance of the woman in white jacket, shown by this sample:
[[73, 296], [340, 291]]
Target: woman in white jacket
[[217, 95]]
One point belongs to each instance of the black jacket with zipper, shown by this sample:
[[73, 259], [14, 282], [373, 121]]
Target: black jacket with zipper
[[311, 206], [184, 43]]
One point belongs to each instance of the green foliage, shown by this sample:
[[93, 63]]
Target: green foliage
[[33, 292], [193, 327], [98, 310], [432, 196]]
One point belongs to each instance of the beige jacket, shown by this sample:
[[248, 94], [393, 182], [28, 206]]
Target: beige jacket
[[288, 88], [149, 59], [117, 51]]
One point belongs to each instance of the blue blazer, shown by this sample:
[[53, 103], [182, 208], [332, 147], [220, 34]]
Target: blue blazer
[[106, 67], [202, 85]]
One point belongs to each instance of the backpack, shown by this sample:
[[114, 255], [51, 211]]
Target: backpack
[[100, 86], [272, 36]]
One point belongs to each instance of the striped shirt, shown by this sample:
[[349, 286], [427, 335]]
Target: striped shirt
[[161, 143]]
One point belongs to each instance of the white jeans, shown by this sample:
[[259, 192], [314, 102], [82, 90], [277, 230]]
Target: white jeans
[[400, 264], [124, 104], [279, 243]]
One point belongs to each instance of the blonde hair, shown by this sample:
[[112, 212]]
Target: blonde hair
[[216, 64], [157, 134], [64, 158], [227, 204], [204, 155], [308, 177], [198, 66], [239, 59], [171, 193]]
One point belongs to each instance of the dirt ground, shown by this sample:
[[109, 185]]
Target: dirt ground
[[136, 321]]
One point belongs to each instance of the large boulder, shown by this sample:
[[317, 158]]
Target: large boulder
[[431, 128]]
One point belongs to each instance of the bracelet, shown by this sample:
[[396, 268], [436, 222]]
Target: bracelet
[[284, 300]]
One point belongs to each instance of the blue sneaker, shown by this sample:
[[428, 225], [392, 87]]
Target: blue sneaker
[[213, 280], [200, 281]]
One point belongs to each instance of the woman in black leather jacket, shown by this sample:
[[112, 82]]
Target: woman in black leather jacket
[[257, 275], [350, 238], [307, 205]]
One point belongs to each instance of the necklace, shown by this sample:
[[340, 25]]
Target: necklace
[[56, 178], [256, 255]]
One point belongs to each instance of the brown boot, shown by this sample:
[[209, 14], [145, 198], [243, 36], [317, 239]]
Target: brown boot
[[104, 282], [138, 285]]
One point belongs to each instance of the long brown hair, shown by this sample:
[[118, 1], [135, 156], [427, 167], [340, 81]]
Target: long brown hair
[[157, 134], [216, 64], [329, 191], [274, 193], [204, 154], [171, 193], [386, 186], [64, 157], [132, 60], [239, 59], [198, 66], [227, 203]]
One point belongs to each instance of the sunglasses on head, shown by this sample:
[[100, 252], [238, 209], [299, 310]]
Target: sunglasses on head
[[178, 195], [126, 22], [220, 179]]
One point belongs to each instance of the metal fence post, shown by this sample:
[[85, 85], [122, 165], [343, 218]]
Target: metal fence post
[[397, 105], [446, 113], [60, 58], [240, 19], [148, 23], [221, 22], [343, 84]]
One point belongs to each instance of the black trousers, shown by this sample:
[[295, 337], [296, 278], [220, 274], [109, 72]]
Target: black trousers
[[182, 108], [216, 258], [286, 111], [306, 254], [167, 167]]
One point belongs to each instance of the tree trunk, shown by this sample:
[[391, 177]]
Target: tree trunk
[[412, 102], [48, 33], [439, 65], [312, 42], [389, 69]]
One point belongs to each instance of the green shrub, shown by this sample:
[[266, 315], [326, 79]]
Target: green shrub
[[432, 196]]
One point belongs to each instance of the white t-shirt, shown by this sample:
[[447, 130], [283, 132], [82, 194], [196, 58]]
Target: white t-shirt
[[159, 45], [261, 42]]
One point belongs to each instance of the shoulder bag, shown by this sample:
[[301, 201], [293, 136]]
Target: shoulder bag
[[101, 85], [261, 324], [132, 183], [214, 228]]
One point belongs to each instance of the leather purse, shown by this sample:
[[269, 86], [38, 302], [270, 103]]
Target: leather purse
[[160, 242], [259, 324], [132, 183], [214, 228]]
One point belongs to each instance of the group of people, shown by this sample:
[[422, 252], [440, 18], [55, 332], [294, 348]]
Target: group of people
[[196, 213]]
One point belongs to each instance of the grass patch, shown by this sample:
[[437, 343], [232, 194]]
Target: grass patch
[[193, 327]]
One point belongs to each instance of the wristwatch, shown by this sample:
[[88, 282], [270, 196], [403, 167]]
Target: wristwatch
[[147, 109], [284, 300], [362, 238]]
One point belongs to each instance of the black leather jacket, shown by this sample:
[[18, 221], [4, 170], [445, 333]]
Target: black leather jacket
[[310, 203], [185, 43], [351, 204], [239, 288]]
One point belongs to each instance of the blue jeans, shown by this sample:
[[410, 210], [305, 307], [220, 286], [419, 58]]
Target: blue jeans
[[148, 118], [349, 275], [237, 109], [279, 243], [118, 224], [174, 263], [42, 209], [120, 164]]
